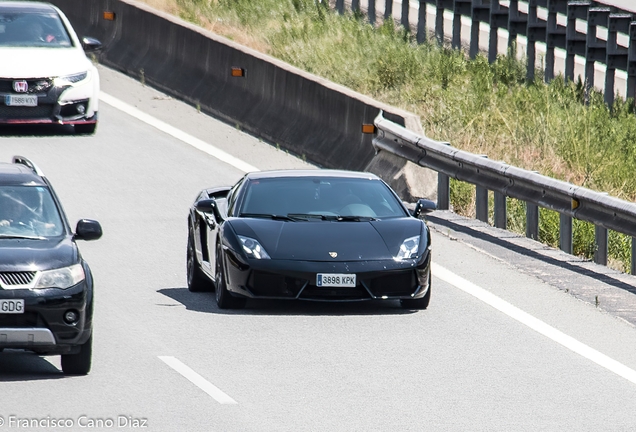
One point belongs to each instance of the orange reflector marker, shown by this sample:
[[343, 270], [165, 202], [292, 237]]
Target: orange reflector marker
[[368, 128], [575, 203], [109, 16], [238, 72]]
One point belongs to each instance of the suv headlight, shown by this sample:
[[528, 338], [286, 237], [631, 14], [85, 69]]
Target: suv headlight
[[63, 278], [70, 79], [408, 248], [253, 248]]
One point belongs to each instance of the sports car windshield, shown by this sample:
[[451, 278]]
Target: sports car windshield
[[28, 211], [32, 29], [320, 198]]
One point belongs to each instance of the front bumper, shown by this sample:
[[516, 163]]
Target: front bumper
[[284, 279], [68, 104], [42, 328]]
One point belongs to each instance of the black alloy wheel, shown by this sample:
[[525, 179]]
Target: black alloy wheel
[[224, 299], [197, 281], [80, 363]]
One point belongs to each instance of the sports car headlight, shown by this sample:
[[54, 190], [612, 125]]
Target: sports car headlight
[[409, 248], [62, 278], [253, 248], [70, 79]]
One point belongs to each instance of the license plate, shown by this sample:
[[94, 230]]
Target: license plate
[[11, 306], [335, 280], [21, 100]]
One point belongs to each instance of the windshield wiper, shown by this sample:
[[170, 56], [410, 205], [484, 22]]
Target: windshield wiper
[[355, 218], [267, 216], [307, 216], [11, 236]]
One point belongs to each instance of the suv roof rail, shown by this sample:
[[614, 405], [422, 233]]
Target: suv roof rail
[[27, 163]]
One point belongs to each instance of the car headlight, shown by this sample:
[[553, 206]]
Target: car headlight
[[253, 248], [63, 278], [408, 248], [70, 79]]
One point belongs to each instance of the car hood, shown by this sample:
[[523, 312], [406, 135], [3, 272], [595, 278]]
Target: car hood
[[42, 62], [317, 241], [27, 254]]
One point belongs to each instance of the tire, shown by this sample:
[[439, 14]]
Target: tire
[[85, 128], [197, 281], [80, 363], [224, 299], [420, 303]]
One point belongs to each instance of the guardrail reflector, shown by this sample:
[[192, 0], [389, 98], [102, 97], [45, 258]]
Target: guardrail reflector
[[368, 128], [238, 72], [109, 16], [575, 203]]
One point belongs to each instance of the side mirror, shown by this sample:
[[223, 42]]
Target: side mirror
[[206, 206], [424, 206], [90, 45], [88, 229]]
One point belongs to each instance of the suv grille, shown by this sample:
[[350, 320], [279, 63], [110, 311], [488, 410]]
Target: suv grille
[[16, 278]]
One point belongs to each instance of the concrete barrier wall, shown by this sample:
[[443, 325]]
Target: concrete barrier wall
[[304, 114]]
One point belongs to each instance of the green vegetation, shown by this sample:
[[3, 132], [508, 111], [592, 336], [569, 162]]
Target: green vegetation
[[479, 107]]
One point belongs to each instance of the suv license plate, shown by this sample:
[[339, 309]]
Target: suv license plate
[[335, 280], [11, 306], [19, 100]]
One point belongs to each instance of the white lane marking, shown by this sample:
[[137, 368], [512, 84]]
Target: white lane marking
[[534, 323], [178, 134], [198, 380]]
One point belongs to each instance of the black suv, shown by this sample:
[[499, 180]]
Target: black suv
[[46, 287]]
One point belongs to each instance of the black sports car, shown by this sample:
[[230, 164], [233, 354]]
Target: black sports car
[[321, 235]]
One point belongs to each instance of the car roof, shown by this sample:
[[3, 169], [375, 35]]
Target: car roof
[[19, 175], [26, 6], [311, 173]]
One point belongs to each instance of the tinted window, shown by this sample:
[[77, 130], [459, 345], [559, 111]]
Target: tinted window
[[29, 211], [320, 195], [33, 29]]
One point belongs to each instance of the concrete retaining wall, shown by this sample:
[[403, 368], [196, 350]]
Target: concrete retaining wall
[[304, 114]]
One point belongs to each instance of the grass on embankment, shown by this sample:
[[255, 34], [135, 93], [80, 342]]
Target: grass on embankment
[[476, 106]]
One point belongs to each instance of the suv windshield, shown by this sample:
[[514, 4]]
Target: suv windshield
[[328, 197], [32, 29], [28, 211]]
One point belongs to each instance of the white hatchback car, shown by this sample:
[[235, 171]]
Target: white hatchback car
[[49, 78]]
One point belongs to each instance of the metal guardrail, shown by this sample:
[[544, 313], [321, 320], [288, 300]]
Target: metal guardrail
[[539, 21], [537, 190]]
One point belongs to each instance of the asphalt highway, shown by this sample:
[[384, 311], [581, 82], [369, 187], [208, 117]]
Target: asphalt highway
[[498, 349]]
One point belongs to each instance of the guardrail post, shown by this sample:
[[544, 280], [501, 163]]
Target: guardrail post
[[480, 13], [405, 15], [555, 35], [439, 22], [575, 42], [536, 32], [617, 56], [340, 6], [421, 23], [595, 50], [532, 221], [565, 233], [498, 19], [355, 5], [371, 12], [501, 217], [600, 250], [481, 203], [388, 9], [443, 192], [460, 8], [631, 62]]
